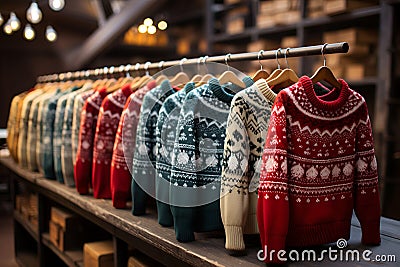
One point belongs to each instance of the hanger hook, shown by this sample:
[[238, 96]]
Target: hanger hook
[[146, 67], [259, 55], [323, 54], [205, 63], [287, 63], [276, 57], [127, 69], [227, 57], [181, 63], [160, 65], [198, 64], [137, 66]]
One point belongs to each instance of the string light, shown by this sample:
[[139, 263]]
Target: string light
[[162, 25], [33, 14], [29, 33], [142, 28], [1, 20], [14, 22], [56, 5], [148, 22], [7, 28], [152, 29], [51, 34]]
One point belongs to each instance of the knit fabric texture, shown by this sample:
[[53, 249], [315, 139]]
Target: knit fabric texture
[[165, 136], [84, 155], [144, 159], [79, 102], [244, 143], [318, 165], [124, 147], [67, 163], [23, 127], [196, 164], [106, 129]]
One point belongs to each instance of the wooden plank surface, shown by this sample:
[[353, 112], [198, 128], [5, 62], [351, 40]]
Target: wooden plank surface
[[208, 249], [27, 225], [9, 163], [70, 258]]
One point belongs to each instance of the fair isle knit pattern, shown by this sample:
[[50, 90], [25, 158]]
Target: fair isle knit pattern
[[244, 143], [318, 165], [79, 102], [124, 147], [196, 163], [144, 159], [106, 129], [165, 136], [67, 164], [84, 155]]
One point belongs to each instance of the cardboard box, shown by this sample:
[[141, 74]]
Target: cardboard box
[[54, 233], [353, 36], [332, 7], [98, 254], [64, 219], [265, 21], [141, 260], [266, 7], [289, 41], [231, 2], [262, 44], [289, 17], [235, 25]]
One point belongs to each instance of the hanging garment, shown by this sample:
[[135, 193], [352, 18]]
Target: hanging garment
[[23, 127], [79, 102], [244, 143], [318, 165], [67, 163], [196, 166], [106, 129], [165, 136], [84, 155], [12, 124], [144, 161], [124, 147]]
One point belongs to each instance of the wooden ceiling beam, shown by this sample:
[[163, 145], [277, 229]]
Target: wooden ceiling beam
[[114, 27]]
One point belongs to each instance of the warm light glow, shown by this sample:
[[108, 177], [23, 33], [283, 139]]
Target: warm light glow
[[1, 20], [51, 34], [152, 29], [162, 25], [33, 14], [14, 22], [148, 22], [29, 33], [7, 28], [56, 5], [142, 28]]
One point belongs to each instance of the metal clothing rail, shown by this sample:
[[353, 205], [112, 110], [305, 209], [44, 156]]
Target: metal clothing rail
[[333, 48]]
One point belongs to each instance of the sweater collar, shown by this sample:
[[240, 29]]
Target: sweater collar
[[318, 102], [219, 92], [262, 85]]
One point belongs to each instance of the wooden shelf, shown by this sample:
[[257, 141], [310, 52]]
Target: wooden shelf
[[27, 259], [27, 225], [73, 258]]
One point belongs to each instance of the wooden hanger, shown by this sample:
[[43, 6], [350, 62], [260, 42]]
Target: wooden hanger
[[181, 78], [261, 73], [324, 73], [142, 80], [287, 76], [229, 76], [277, 71]]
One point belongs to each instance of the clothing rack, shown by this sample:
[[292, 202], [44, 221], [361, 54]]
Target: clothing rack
[[333, 48]]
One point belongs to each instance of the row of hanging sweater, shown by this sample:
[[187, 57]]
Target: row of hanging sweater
[[290, 166]]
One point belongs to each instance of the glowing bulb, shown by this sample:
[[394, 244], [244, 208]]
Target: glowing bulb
[[148, 22], [51, 34], [162, 25], [7, 28], [14, 22], [56, 5], [1, 20], [33, 14], [152, 29], [142, 28], [29, 33]]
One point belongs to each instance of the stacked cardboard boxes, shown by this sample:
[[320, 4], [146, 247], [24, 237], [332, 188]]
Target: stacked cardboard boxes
[[278, 12], [360, 61], [27, 205], [235, 20], [318, 8]]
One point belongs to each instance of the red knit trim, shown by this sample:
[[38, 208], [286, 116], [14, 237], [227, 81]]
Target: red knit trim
[[308, 86]]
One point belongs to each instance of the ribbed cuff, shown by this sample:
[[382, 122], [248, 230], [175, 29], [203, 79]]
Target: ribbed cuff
[[265, 90], [371, 233], [234, 238], [184, 236]]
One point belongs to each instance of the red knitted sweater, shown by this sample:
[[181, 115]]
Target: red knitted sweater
[[318, 165], [84, 155], [124, 146], [106, 129]]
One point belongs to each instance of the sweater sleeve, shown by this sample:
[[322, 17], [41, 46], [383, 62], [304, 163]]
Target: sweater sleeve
[[184, 172], [273, 199], [366, 200], [234, 201]]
